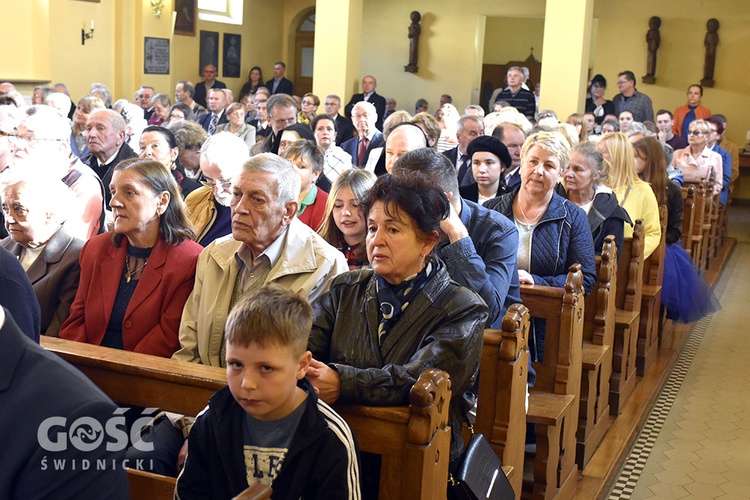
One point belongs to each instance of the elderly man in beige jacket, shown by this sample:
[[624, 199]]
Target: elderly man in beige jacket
[[268, 245]]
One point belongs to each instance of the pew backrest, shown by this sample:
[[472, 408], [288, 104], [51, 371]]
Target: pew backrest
[[414, 441], [599, 317], [630, 271], [503, 377]]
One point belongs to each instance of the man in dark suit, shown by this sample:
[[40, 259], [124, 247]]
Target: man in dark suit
[[201, 90], [279, 84], [344, 127], [217, 103], [42, 397], [369, 84], [143, 99], [367, 147], [513, 137], [282, 113], [106, 141], [469, 128], [260, 122]]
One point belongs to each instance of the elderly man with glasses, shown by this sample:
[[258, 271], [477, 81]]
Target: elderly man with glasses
[[41, 143], [221, 159]]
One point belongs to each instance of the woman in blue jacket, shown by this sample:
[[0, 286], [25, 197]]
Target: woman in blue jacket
[[553, 233]]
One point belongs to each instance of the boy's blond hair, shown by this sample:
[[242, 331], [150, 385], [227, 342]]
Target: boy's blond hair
[[270, 315]]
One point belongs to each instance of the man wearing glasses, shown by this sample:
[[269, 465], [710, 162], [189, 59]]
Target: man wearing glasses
[[366, 148], [41, 143], [282, 113], [221, 159]]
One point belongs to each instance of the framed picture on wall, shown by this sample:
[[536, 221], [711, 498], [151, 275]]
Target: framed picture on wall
[[186, 15], [209, 49], [232, 48], [156, 56]]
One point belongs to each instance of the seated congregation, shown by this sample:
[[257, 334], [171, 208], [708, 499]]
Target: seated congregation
[[330, 306]]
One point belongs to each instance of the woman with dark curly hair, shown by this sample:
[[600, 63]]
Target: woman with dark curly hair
[[377, 329]]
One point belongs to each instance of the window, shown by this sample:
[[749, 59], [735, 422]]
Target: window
[[221, 11]]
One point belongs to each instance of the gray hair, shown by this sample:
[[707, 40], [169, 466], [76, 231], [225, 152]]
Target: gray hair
[[227, 151], [638, 128], [288, 181], [48, 124], [479, 109], [468, 118], [280, 100], [53, 195], [594, 159], [367, 106]]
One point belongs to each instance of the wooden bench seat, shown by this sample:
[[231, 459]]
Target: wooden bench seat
[[596, 355], [553, 401], [414, 440], [650, 318], [627, 319], [503, 378]]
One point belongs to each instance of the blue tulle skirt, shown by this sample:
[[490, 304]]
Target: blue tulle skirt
[[685, 295]]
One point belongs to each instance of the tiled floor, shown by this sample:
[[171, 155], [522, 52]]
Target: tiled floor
[[703, 448]]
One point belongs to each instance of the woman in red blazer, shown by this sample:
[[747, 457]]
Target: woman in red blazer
[[135, 280]]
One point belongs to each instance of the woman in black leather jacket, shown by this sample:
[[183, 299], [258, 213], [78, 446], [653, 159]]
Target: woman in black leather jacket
[[377, 329]]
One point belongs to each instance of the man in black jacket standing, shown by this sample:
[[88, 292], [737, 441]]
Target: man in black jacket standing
[[369, 84]]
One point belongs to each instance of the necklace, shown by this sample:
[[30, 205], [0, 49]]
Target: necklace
[[528, 224], [129, 273]]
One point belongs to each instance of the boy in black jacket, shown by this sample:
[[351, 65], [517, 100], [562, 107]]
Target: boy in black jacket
[[268, 426]]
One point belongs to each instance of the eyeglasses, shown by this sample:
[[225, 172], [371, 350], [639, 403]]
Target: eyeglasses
[[285, 122], [26, 139], [18, 210], [219, 181], [695, 132]]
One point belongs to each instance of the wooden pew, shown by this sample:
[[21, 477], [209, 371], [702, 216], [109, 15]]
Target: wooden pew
[[596, 368], [627, 319], [650, 322], [503, 377], [414, 440], [688, 218], [553, 401], [697, 237]]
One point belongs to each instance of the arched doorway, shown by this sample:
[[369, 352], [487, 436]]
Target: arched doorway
[[304, 53]]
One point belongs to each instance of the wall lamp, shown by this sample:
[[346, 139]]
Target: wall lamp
[[157, 6], [87, 35]]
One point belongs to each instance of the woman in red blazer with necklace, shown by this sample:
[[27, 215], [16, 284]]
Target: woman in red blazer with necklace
[[135, 280]]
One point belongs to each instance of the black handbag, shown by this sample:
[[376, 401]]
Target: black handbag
[[479, 474]]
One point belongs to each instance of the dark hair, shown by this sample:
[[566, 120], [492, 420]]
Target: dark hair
[[700, 87], [314, 122], [599, 80], [187, 111], [187, 87], [665, 111], [271, 315], [655, 172], [414, 195], [168, 136], [260, 80], [716, 121], [307, 150], [280, 63], [431, 163], [628, 75], [174, 225]]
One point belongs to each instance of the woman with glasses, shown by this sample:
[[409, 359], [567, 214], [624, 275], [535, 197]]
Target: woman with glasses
[[237, 126], [697, 161], [310, 103]]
